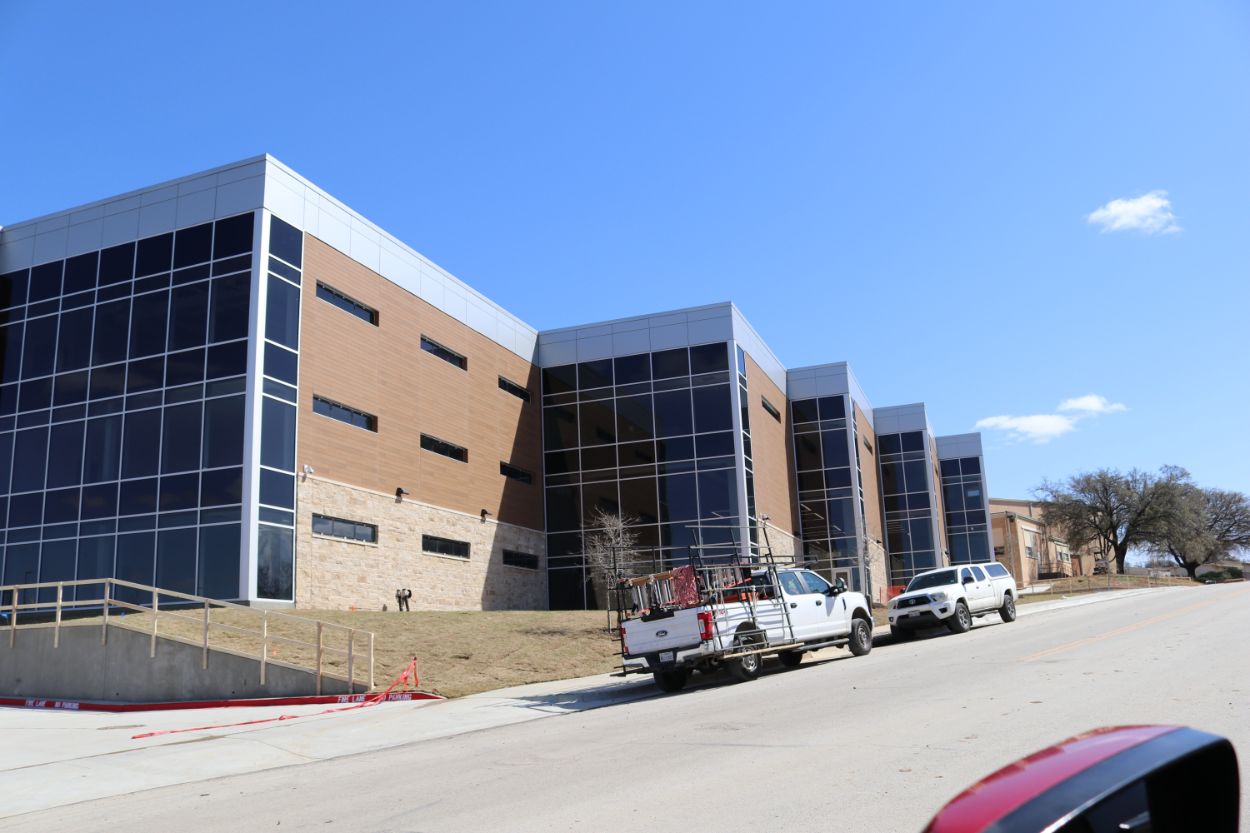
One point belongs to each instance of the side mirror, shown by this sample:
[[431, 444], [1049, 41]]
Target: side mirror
[[1162, 779]]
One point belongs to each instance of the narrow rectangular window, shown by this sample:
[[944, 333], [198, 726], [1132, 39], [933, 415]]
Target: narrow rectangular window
[[444, 448], [512, 558], [771, 408], [333, 296], [515, 473], [334, 410], [513, 388], [449, 356], [445, 546], [347, 530]]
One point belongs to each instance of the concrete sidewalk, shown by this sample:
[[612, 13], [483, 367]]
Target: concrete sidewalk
[[53, 758]]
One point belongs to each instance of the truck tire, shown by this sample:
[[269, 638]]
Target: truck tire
[[861, 637], [671, 681], [747, 668], [790, 659], [1008, 610], [961, 619]]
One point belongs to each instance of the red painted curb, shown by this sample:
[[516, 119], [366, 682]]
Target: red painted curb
[[310, 700]]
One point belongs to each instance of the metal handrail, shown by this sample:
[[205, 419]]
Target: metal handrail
[[110, 600]]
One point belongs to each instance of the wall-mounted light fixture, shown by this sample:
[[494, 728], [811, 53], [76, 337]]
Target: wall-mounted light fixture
[[485, 512], [400, 491], [308, 470]]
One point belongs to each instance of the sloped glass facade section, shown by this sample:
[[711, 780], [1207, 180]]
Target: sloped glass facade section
[[829, 503], [122, 412], [275, 535], [648, 436], [967, 511], [907, 500]]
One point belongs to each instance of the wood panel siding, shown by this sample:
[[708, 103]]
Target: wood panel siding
[[772, 451], [383, 370], [870, 475]]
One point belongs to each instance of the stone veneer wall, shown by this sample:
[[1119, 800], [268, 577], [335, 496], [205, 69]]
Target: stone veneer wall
[[878, 574], [335, 574]]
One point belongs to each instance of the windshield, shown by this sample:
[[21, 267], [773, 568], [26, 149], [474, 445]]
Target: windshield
[[938, 579]]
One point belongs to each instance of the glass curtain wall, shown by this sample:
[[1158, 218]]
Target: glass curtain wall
[[648, 436], [275, 539], [827, 499], [122, 412], [967, 515], [908, 505]]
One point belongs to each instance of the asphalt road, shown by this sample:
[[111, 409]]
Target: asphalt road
[[876, 743]]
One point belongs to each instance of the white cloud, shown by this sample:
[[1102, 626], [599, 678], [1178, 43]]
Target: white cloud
[[1150, 214], [1039, 428], [1091, 403], [1042, 428]]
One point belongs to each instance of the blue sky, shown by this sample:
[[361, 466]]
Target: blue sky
[[907, 187]]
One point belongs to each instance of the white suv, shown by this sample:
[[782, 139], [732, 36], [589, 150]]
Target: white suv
[[953, 596]]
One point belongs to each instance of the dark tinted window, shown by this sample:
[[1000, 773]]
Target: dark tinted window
[[340, 528], [513, 558], [193, 245], [445, 546], [444, 448], [596, 374], [286, 242], [137, 497], [669, 363], [282, 313], [275, 573], [513, 388], [30, 454], [117, 264], [709, 358], [338, 299], [560, 379], [103, 449], [45, 281], [229, 307], [141, 449], [37, 355], [673, 413], [632, 369], [13, 287], [223, 432], [712, 411], [80, 272], [73, 349], [151, 313], [65, 454], [112, 328], [447, 355], [180, 449], [277, 489], [154, 255], [228, 360], [515, 473], [342, 413], [221, 486], [277, 434], [281, 364], [233, 236]]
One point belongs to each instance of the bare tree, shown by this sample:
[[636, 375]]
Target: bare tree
[[1209, 524], [610, 545], [1112, 510]]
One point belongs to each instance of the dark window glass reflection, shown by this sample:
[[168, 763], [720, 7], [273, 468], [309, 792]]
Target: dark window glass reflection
[[632, 369], [221, 487], [712, 409], [141, 450], [137, 497], [45, 281], [136, 562], [151, 314], [30, 453], [560, 379], [193, 245], [219, 561], [277, 489], [286, 242], [188, 316], [179, 491], [103, 449], [13, 287], [226, 360], [709, 358], [73, 349], [11, 346], [233, 236], [112, 328], [595, 374], [80, 272], [282, 313], [277, 435], [99, 501], [40, 346], [275, 562], [180, 449], [228, 311], [673, 414], [668, 363], [117, 264], [65, 454], [154, 255], [175, 559]]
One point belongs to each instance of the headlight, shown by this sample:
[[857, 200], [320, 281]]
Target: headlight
[[938, 596]]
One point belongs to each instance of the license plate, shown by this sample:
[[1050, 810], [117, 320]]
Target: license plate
[[666, 656], [913, 613]]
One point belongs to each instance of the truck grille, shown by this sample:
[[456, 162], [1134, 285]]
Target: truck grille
[[914, 601]]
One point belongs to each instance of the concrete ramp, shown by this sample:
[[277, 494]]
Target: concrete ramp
[[121, 670]]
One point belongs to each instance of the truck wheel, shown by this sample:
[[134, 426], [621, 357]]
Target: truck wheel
[[861, 637], [961, 621], [671, 681], [747, 668], [1008, 610], [901, 634], [790, 659]]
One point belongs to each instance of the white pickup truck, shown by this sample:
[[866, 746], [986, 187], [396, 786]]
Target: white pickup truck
[[786, 612], [953, 596]]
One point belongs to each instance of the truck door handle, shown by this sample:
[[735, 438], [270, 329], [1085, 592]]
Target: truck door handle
[[794, 604], [819, 603]]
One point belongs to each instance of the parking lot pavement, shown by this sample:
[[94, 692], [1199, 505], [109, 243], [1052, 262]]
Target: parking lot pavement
[[53, 757]]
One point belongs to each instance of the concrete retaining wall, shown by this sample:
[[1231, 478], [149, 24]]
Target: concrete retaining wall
[[121, 671]]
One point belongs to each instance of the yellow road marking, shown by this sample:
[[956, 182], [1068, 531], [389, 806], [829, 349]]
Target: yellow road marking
[[1163, 617]]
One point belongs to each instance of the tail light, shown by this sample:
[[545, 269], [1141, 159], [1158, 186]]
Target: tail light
[[705, 625]]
